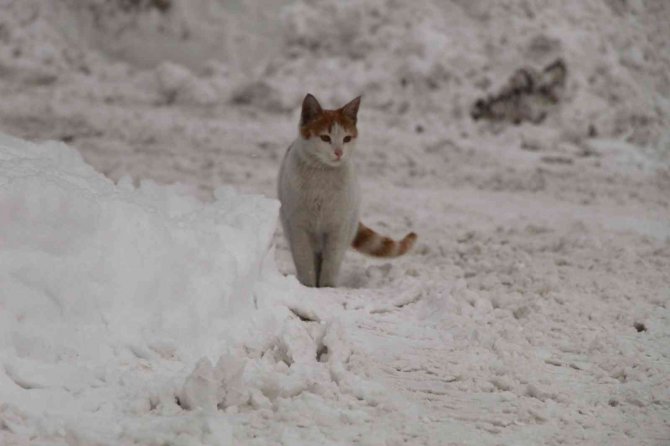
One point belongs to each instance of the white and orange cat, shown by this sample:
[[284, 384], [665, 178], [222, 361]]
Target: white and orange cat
[[320, 196]]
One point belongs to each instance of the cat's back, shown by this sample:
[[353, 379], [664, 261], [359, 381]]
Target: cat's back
[[281, 180]]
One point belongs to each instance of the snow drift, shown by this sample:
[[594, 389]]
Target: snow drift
[[140, 315], [117, 301], [132, 265], [427, 58], [101, 282]]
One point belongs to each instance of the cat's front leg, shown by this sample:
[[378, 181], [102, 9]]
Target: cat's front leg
[[304, 256], [334, 247]]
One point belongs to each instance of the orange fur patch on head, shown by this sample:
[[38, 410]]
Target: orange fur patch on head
[[324, 124]]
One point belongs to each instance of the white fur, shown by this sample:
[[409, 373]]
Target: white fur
[[325, 151], [320, 200]]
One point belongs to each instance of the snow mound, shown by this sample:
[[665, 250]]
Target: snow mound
[[141, 314], [423, 61], [135, 265]]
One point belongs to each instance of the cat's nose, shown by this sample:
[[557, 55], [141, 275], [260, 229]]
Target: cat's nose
[[338, 153]]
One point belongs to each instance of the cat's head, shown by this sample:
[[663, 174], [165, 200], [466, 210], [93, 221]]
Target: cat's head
[[329, 135]]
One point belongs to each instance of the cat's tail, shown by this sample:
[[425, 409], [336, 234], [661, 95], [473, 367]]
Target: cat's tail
[[369, 242]]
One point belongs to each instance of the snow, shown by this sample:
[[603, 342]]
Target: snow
[[147, 296], [104, 285]]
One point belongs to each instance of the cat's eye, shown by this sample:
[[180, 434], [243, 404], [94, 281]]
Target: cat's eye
[[325, 138], [347, 138]]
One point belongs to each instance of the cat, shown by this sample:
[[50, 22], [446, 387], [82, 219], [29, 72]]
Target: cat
[[320, 196]]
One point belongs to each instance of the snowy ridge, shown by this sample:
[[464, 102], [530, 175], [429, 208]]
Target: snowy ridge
[[140, 315], [114, 248], [111, 292], [426, 59]]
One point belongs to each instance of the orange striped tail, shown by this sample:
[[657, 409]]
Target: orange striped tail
[[369, 242]]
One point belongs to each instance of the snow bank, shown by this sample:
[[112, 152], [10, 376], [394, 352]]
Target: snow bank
[[433, 59], [139, 264], [188, 32], [103, 286], [134, 313], [423, 61], [428, 60]]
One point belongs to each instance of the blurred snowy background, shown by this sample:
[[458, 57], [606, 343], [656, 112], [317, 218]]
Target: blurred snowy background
[[140, 302]]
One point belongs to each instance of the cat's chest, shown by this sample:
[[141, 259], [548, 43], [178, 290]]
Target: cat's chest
[[327, 194], [324, 191]]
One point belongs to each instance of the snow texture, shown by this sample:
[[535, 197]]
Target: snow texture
[[147, 297]]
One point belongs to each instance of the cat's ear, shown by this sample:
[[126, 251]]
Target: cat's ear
[[351, 109], [311, 109]]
